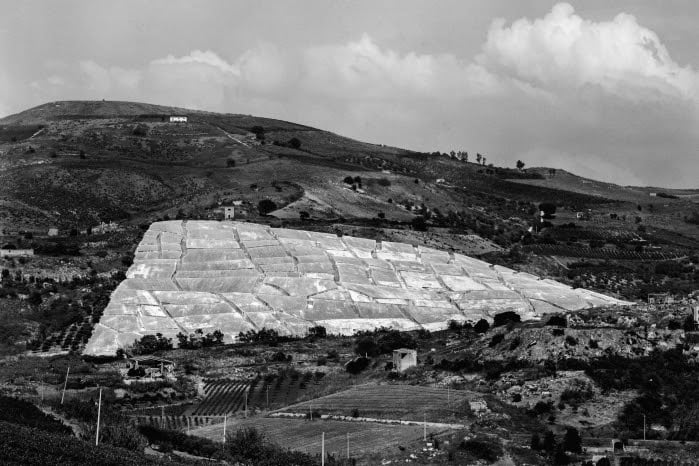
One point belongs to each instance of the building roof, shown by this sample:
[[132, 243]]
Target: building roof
[[404, 350]]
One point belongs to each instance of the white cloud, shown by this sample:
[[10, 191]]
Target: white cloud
[[563, 50], [363, 70], [198, 57], [593, 96], [107, 80]]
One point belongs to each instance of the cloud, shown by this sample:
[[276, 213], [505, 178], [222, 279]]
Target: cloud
[[596, 97], [106, 80], [563, 50], [362, 69]]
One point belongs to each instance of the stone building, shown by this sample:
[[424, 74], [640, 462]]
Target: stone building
[[404, 358]]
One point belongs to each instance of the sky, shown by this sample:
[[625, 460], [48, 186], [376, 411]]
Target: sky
[[607, 90]]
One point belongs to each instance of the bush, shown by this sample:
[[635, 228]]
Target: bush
[[497, 339], [24, 413], [357, 365], [504, 318], [384, 182], [294, 143], [151, 343], [265, 206], [481, 449], [481, 326], [419, 223], [366, 346], [557, 321], [572, 441]]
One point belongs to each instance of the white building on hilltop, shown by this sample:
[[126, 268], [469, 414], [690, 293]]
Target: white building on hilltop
[[178, 119]]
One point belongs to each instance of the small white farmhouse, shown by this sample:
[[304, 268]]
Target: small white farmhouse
[[178, 119]]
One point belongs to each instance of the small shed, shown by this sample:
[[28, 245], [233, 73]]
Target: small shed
[[404, 358], [53, 232], [228, 212]]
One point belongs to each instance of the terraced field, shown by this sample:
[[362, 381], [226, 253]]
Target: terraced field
[[237, 277], [404, 402], [296, 434]]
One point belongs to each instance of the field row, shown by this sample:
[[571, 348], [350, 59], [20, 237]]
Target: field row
[[598, 253], [405, 402], [302, 435]]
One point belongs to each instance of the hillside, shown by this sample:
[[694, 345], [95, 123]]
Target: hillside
[[74, 164]]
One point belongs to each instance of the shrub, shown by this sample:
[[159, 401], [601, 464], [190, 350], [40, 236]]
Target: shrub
[[367, 346], [419, 223], [572, 441], [481, 326], [514, 344], [294, 143], [151, 343], [384, 182], [230, 163], [357, 365], [496, 340], [481, 449], [504, 318], [571, 341], [265, 206], [557, 321]]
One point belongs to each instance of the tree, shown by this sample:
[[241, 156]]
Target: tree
[[481, 326], [572, 441], [478, 158], [549, 209], [549, 441], [535, 442], [520, 165], [259, 132], [295, 143], [503, 318], [82, 154], [265, 206], [304, 215], [367, 346], [318, 331], [230, 163], [419, 223], [348, 180]]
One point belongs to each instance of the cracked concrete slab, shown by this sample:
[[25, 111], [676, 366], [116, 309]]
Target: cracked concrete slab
[[236, 277]]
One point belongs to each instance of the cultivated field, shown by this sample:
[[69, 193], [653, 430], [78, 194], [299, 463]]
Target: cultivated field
[[297, 434], [405, 402]]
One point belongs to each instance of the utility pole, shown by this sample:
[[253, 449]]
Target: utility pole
[[348, 445], [310, 412], [65, 384], [322, 449], [99, 412], [225, 420], [188, 425], [424, 427], [267, 397], [644, 427], [162, 417], [246, 405]]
